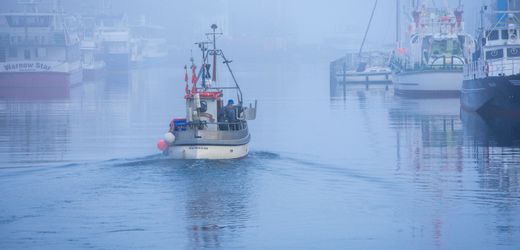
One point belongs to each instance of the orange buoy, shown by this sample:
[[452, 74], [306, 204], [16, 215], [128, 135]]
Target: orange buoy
[[162, 145]]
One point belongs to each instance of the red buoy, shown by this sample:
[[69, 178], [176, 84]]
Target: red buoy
[[162, 145]]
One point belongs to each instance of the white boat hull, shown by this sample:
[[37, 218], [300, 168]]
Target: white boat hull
[[439, 83], [208, 152]]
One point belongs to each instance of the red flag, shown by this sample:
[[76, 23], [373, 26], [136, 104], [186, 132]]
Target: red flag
[[186, 89], [194, 79]]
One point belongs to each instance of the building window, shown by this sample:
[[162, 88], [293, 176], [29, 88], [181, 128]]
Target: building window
[[13, 52], [41, 52], [2, 55], [27, 54]]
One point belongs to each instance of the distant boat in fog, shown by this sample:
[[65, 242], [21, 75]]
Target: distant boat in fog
[[363, 67], [38, 50], [431, 60], [124, 46], [492, 79], [115, 39], [369, 67], [92, 62], [149, 44]]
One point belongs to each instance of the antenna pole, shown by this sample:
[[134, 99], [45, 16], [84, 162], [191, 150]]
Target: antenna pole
[[214, 76]]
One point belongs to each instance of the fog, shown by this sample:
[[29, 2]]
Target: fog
[[104, 146], [320, 29]]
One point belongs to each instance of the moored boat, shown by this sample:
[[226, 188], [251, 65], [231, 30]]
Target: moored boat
[[38, 51], [491, 83], [114, 33], [149, 44], [437, 47], [94, 68], [210, 130]]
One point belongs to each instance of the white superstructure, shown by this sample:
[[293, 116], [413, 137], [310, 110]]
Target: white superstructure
[[436, 49], [38, 48]]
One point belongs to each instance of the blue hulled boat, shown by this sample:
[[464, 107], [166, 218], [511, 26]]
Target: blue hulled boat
[[491, 83]]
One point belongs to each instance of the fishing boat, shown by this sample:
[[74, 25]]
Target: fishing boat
[[492, 80], [38, 50], [210, 130], [437, 48]]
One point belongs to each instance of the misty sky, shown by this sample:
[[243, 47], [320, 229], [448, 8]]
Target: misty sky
[[322, 23]]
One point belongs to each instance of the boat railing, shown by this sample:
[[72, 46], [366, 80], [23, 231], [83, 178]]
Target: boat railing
[[222, 126], [231, 126], [54, 40], [439, 63], [500, 67]]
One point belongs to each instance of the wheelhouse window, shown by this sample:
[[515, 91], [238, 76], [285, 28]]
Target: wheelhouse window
[[509, 34], [29, 21], [2, 55], [505, 34], [492, 35], [494, 54], [41, 52], [442, 48], [27, 54], [13, 52], [415, 39]]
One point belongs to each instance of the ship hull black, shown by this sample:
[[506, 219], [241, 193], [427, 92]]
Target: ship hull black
[[494, 95]]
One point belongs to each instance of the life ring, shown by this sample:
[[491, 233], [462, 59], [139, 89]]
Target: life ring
[[209, 116]]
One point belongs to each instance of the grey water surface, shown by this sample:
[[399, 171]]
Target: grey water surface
[[368, 171]]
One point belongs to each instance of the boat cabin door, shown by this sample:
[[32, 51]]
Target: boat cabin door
[[208, 112]]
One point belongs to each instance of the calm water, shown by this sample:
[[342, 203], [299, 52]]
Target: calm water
[[368, 171]]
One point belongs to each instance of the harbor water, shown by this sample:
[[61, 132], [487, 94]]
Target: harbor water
[[365, 171]]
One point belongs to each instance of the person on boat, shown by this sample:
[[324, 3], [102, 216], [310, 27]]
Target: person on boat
[[231, 114]]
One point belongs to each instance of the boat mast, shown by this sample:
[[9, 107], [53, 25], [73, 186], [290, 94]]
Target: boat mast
[[203, 70], [368, 28], [398, 23], [214, 52]]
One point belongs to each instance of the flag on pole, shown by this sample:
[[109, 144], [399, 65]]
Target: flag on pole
[[194, 79], [186, 89]]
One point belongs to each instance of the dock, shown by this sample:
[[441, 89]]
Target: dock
[[345, 71]]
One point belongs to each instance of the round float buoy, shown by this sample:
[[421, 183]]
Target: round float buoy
[[169, 138], [162, 145]]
